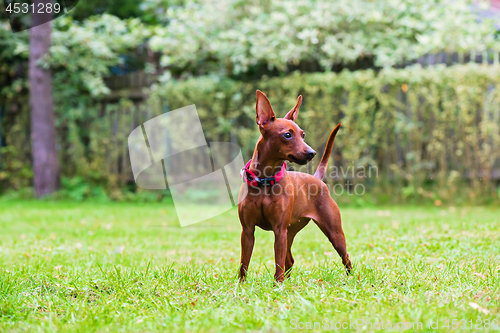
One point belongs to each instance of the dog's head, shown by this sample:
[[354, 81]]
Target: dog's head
[[282, 135]]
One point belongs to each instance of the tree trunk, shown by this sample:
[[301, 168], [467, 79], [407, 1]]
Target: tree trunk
[[43, 134]]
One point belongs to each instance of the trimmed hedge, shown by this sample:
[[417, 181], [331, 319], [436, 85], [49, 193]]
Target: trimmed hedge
[[419, 127]]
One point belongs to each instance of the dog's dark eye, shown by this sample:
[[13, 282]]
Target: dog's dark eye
[[287, 135], [303, 135]]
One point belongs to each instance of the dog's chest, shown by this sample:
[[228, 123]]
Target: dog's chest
[[267, 206]]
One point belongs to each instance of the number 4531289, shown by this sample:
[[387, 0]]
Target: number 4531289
[[38, 8], [478, 324]]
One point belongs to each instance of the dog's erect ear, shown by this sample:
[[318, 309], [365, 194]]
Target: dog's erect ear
[[292, 114], [265, 113]]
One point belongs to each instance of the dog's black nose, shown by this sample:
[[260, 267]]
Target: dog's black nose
[[310, 154]]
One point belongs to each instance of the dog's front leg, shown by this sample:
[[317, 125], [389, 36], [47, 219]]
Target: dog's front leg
[[280, 252], [247, 242]]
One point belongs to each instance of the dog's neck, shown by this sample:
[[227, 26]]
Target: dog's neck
[[264, 163]]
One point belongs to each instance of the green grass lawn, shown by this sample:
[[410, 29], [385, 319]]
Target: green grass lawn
[[130, 267]]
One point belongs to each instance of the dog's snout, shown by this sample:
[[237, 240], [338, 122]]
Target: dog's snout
[[310, 154]]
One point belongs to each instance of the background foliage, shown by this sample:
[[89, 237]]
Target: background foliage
[[396, 120], [431, 132]]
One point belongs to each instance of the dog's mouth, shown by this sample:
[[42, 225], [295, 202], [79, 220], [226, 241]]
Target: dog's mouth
[[297, 160]]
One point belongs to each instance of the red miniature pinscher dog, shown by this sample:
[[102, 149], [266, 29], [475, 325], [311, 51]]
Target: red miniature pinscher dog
[[285, 201]]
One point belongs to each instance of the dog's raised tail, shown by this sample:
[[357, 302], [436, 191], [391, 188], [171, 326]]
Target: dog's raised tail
[[320, 171]]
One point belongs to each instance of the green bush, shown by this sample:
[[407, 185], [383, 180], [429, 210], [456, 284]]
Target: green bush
[[433, 133]]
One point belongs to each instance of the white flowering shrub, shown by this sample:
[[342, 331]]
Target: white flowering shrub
[[230, 36]]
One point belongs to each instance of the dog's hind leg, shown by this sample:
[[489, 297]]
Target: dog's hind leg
[[293, 229], [329, 221]]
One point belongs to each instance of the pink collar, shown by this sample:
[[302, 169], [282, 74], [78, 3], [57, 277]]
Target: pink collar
[[252, 180]]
